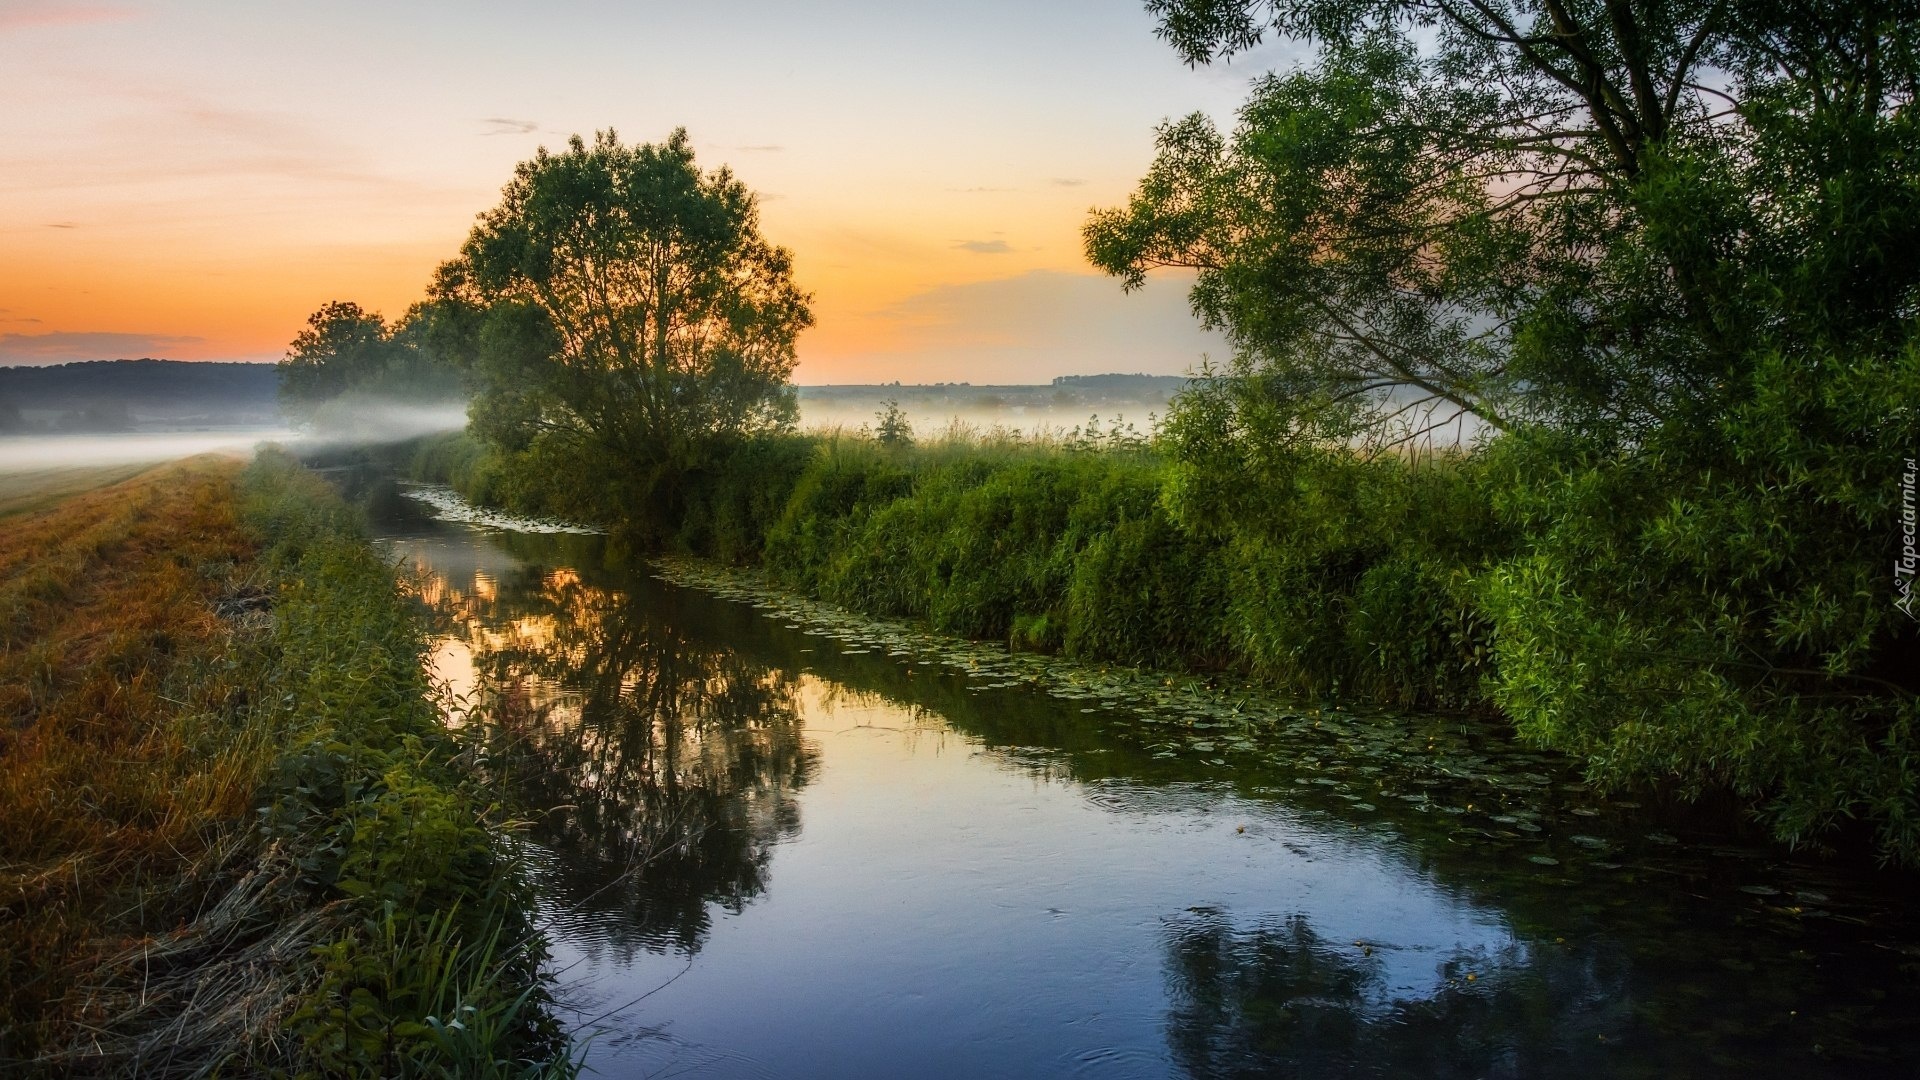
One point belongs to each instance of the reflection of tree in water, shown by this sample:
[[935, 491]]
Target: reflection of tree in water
[[1279, 1000], [658, 769]]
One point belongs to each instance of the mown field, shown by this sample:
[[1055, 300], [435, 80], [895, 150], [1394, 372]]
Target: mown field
[[36, 489], [231, 835]]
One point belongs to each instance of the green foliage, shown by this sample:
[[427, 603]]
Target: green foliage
[[623, 318], [1731, 627], [463, 463], [1668, 249], [891, 427], [347, 350], [437, 970], [732, 502], [1083, 551], [1588, 216]]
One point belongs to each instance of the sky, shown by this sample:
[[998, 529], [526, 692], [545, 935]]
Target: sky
[[191, 180]]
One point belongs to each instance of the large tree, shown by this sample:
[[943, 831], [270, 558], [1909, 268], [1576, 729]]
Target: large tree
[[628, 312], [1581, 213], [1672, 247]]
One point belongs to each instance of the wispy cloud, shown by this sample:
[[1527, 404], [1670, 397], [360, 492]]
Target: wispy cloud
[[1067, 181], [61, 225], [175, 134], [767, 148], [980, 190], [61, 347], [507, 125], [29, 15], [984, 247]]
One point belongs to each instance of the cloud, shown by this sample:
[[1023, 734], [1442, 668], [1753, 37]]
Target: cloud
[[61, 225], [61, 347], [984, 247], [768, 148], [1067, 181], [29, 15], [980, 190], [506, 125]]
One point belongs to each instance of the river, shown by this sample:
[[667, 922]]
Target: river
[[774, 842]]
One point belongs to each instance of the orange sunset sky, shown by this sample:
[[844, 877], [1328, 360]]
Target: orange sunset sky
[[190, 180]]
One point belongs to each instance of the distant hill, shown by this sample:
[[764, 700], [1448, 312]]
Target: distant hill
[[130, 395]]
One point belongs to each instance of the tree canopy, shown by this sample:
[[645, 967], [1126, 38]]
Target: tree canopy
[[1672, 249], [623, 305], [1580, 213], [346, 348]]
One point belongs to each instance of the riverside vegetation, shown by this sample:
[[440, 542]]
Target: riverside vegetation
[[235, 834], [1574, 374], [1394, 581]]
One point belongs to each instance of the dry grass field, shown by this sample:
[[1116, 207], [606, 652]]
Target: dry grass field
[[38, 489], [122, 764]]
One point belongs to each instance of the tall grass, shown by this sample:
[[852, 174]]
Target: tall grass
[[233, 832], [1090, 543]]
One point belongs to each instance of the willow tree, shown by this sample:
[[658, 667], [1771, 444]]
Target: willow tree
[[628, 315], [1673, 247], [1587, 214]]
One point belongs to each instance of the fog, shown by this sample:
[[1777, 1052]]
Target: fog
[[356, 418], [931, 423], [1062, 405], [364, 422], [32, 453]]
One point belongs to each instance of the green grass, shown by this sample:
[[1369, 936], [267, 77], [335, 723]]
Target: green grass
[[234, 833]]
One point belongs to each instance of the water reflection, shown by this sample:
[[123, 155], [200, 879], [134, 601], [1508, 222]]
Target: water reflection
[[994, 883], [657, 770], [1279, 999]]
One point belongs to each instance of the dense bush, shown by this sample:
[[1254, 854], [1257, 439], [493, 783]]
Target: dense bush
[[1093, 553], [1717, 608]]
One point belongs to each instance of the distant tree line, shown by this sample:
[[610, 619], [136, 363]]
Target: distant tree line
[[106, 396]]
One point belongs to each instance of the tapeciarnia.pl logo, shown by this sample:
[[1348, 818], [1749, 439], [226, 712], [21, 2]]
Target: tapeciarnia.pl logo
[[1903, 567]]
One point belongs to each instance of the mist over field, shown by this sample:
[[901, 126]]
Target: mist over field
[[1066, 403], [32, 453], [127, 412]]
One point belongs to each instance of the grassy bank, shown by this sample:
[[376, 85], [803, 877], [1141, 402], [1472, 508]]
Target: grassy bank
[[1071, 545], [234, 832], [1721, 633]]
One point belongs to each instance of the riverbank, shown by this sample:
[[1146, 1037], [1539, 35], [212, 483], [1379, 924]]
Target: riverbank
[[1173, 869], [235, 833], [1562, 595]]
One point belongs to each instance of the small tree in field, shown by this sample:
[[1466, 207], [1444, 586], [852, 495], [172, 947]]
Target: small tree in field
[[630, 315], [892, 427]]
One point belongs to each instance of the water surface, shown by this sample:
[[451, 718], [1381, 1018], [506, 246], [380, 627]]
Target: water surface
[[767, 848]]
